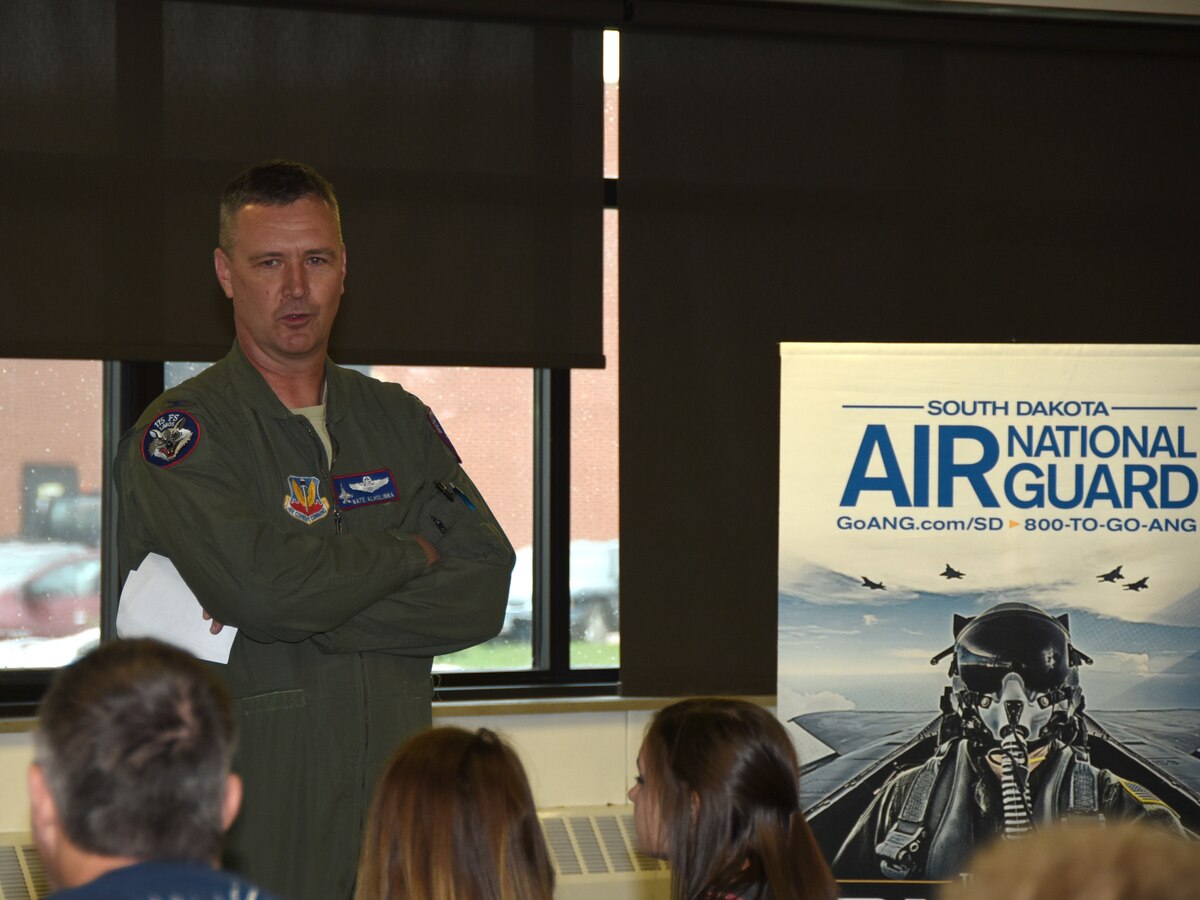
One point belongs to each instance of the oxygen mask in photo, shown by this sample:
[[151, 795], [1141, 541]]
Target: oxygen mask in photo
[[1014, 686]]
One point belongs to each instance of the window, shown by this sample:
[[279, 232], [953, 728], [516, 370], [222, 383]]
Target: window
[[595, 555], [488, 415], [50, 535]]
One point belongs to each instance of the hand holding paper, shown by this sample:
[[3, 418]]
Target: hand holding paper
[[157, 603]]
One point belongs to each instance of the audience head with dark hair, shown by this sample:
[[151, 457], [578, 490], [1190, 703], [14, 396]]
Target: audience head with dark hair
[[453, 818], [718, 797], [1083, 861], [132, 761]]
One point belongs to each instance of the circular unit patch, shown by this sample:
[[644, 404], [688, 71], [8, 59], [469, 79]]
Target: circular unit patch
[[170, 438]]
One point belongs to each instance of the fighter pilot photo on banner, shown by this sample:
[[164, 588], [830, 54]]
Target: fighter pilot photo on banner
[[989, 603]]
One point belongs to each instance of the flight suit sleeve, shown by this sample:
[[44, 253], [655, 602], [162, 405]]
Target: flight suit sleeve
[[1121, 799], [247, 570], [460, 600]]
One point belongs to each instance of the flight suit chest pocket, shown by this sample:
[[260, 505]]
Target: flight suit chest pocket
[[452, 523]]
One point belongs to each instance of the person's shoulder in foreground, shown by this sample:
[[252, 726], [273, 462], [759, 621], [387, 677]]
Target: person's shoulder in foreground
[[130, 789], [165, 880]]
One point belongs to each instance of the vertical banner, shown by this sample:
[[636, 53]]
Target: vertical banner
[[989, 596]]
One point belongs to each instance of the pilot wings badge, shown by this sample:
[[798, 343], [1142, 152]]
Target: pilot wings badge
[[370, 485], [170, 438], [303, 501]]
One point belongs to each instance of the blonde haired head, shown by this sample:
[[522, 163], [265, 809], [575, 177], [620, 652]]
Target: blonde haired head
[[1125, 861]]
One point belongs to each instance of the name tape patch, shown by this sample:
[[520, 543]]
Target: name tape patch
[[364, 488]]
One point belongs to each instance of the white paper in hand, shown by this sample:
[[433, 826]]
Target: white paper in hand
[[157, 603]]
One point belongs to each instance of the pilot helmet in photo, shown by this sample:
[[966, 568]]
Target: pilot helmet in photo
[[1015, 672]]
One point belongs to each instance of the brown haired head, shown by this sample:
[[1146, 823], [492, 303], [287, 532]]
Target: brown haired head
[[725, 781], [135, 741], [453, 818]]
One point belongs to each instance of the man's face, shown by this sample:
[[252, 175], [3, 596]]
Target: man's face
[[284, 274]]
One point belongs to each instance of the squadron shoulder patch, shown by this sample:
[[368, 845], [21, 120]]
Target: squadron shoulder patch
[[303, 501], [170, 438], [441, 432], [364, 488]]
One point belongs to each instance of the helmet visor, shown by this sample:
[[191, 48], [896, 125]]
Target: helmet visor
[[1033, 646]]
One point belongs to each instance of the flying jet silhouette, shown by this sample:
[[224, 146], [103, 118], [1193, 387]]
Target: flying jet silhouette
[[873, 585], [1139, 585], [951, 572], [1111, 576]]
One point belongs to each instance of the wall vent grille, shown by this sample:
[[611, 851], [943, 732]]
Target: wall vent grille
[[22, 876], [594, 854]]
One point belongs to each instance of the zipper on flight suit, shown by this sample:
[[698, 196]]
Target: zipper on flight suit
[[326, 471], [364, 787]]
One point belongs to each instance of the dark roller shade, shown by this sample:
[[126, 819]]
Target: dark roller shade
[[466, 155], [855, 176]]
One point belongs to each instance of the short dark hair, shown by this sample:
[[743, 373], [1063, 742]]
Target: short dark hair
[[277, 182], [136, 741]]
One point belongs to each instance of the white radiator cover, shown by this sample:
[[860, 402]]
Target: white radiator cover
[[592, 848], [594, 855]]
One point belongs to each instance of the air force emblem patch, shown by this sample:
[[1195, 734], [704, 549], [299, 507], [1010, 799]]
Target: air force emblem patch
[[303, 501], [170, 438], [364, 488]]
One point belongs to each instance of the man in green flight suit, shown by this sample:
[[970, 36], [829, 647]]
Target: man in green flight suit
[[326, 516]]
